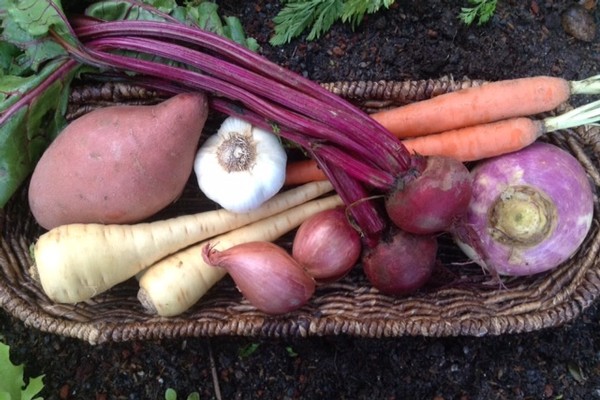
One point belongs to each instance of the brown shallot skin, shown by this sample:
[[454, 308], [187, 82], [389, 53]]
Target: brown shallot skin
[[266, 275]]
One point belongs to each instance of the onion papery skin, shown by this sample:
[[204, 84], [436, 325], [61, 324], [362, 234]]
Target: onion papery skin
[[266, 275], [327, 245], [434, 199], [552, 174], [402, 263]]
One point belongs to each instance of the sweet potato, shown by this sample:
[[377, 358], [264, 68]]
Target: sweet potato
[[119, 164]]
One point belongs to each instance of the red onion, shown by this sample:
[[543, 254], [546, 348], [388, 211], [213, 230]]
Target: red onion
[[268, 277], [402, 263], [326, 245]]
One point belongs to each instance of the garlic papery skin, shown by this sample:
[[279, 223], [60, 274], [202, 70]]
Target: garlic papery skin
[[241, 166]]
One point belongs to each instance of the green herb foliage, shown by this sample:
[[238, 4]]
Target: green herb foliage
[[12, 386], [480, 11], [319, 15], [36, 72], [171, 394]]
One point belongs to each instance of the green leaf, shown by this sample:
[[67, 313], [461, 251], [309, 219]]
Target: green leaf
[[35, 50], [8, 52], [25, 135], [37, 17], [291, 352], [248, 350], [170, 394], [166, 6], [481, 10], [11, 375], [34, 387], [467, 15], [12, 385], [354, 11], [205, 15], [319, 15], [328, 12], [234, 30], [294, 18], [113, 10]]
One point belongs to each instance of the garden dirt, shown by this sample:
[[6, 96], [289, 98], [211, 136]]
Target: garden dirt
[[414, 39]]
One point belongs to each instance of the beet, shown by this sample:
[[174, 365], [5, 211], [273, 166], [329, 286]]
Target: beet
[[401, 263], [434, 199]]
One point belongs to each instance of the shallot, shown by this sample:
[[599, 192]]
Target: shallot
[[266, 275], [327, 245]]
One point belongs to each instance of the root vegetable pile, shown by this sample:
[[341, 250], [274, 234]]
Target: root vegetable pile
[[398, 191]]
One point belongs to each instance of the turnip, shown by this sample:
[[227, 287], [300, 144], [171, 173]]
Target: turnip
[[530, 211]]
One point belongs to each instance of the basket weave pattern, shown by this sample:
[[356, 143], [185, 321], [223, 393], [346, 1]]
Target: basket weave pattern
[[460, 301]]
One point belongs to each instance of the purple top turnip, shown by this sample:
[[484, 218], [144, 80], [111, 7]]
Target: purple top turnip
[[530, 211]]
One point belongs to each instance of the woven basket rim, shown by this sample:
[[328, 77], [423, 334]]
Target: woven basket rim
[[348, 307]]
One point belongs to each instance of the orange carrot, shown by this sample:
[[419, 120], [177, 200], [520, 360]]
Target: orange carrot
[[475, 142], [490, 102], [303, 171], [465, 144], [300, 172], [479, 141]]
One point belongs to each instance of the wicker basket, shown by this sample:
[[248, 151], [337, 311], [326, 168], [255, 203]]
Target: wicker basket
[[460, 300]]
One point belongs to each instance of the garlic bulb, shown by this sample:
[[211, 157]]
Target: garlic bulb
[[241, 166]]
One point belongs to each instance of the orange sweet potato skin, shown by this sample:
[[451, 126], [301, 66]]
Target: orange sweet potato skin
[[118, 164]]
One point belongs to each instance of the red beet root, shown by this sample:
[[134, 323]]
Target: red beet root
[[434, 199], [402, 264]]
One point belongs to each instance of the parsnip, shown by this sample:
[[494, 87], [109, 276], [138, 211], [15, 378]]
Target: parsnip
[[78, 261], [174, 284]]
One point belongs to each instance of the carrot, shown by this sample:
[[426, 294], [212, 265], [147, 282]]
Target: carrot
[[176, 283], [474, 142], [490, 102], [479, 141], [78, 261], [299, 172], [501, 137]]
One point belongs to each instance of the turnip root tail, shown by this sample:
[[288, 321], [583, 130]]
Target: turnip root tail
[[174, 284], [78, 261]]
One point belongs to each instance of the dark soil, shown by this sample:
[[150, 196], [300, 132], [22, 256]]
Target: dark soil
[[413, 40]]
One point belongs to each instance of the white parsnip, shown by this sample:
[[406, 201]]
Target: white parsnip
[[174, 284], [78, 261]]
